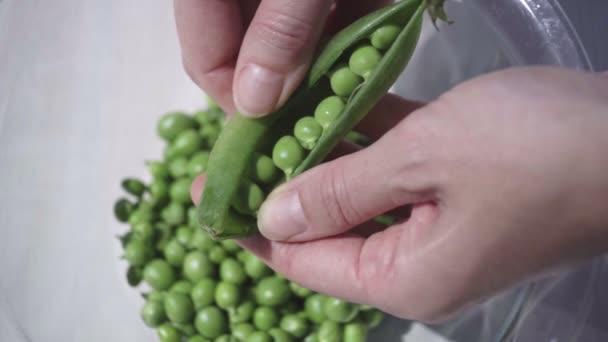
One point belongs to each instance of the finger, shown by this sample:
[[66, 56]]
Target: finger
[[196, 190], [387, 270], [210, 34], [385, 115], [276, 52], [338, 195]]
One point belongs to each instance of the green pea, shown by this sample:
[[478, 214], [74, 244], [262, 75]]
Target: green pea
[[159, 274], [258, 336], [262, 169], [255, 267], [203, 292], [312, 337], [181, 286], [123, 208], [183, 235], [158, 170], [159, 190], [147, 206], [192, 217], [197, 338], [153, 313], [299, 291], [197, 266], [338, 310], [155, 295], [308, 131], [313, 307], [226, 338], [265, 318], [384, 36], [355, 332], [174, 213], [143, 231], [272, 291], [171, 124], [217, 254], [232, 271], [133, 186], [185, 328], [179, 307], [164, 234], [242, 256], [134, 275], [280, 335], [139, 215], [287, 154], [201, 240], [230, 246], [204, 118], [187, 142], [372, 318], [329, 331], [210, 133], [227, 295], [344, 81], [364, 60], [169, 153], [328, 111], [241, 330], [125, 238], [248, 198], [178, 167], [241, 313], [174, 253], [167, 333], [211, 322], [180, 191], [295, 325], [198, 163], [138, 252]]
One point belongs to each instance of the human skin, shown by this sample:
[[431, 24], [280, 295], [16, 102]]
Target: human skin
[[234, 48], [506, 176]]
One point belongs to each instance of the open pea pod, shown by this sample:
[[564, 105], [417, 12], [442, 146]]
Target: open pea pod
[[347, 78]]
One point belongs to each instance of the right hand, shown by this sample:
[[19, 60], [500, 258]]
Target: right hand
[[506, 174], [250, 55]]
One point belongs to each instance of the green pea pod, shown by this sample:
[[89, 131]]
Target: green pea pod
[[243, 138], [376, 86]]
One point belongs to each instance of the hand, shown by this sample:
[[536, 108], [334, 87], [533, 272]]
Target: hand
[[507, 176], [252, 54]]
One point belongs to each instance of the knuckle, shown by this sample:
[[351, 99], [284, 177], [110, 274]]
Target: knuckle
[[336, 196], [282, 31]]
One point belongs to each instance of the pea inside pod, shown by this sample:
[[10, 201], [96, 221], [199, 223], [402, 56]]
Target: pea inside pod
[[349, 76]]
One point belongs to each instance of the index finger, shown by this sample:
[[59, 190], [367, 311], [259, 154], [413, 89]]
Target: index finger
[[210, 34]]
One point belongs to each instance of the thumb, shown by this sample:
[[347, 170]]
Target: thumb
[[275, 53], [338, 195]]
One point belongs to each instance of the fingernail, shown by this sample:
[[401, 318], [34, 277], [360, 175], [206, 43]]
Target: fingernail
[[281, 216], [258, 90]]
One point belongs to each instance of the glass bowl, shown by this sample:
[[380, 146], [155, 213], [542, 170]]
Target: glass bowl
[[82, 86]]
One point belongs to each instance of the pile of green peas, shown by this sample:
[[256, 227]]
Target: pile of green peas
[[290, 150], [199, 289]]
